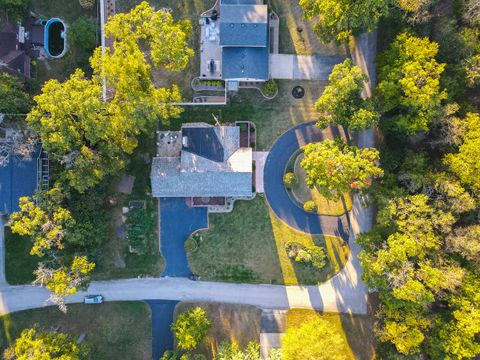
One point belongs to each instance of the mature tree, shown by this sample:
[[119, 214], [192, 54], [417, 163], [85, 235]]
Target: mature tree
[[44, 220], [65, 281], [341, 102], [15, 9], [335, 168], [42, 345], [13, 98], [89, 136], [190, 328], [466, 242], [410, 83], [465, 163], [402, 259], [314, 339], [471, 11], [339, 19]]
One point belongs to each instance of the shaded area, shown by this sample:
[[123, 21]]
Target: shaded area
[[177, 222], [277, 195], [162, 318], [19, 264]]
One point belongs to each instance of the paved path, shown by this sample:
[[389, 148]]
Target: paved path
[[3, 280], [276, 193], [177, 222], [302, 67], [162, 318], [259, 157]]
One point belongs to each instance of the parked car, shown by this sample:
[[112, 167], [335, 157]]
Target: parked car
[[93, 299]]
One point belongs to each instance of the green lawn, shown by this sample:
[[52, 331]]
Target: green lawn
[[302, 193], [248, 245], [357, 330], [19, 264], [232, 323], [118, 330]]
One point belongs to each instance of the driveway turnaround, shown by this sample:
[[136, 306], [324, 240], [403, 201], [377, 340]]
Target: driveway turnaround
[[276, 193], [162, 317], [177, 222]]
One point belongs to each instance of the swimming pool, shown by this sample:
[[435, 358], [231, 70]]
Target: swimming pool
[[55, 38]]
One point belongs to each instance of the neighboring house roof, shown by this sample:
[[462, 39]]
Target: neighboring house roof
[[18, 178], [245, 63], [211, 164]]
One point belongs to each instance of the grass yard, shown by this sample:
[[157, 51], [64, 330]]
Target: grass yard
[[19, 264], [117, 261], [232, 323], [357, 330], [248, 245], [303, 42], [302, 193], [118, 330]]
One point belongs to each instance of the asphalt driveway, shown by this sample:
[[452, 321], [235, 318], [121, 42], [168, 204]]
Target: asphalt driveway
[[177, 222], [162, 317], [276, 193]]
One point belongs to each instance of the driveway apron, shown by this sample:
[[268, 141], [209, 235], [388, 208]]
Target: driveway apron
[[276, 193], [177, 222], [162, 317]]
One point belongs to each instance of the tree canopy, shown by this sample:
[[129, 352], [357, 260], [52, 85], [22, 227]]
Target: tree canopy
[[339, 19], [335, 168], [314, 339], [13, 98], [341, 101], [42, 345], [191, 328], [409, 83]]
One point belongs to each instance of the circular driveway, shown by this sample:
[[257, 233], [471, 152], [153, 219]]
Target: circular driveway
[[276, 193]]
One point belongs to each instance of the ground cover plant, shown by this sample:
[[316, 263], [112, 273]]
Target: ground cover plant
[[257, 253]]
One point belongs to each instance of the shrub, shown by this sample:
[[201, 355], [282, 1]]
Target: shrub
[[270, 87], [190, 245], [289, 180], [310, 206], [303, 256], [81, 34], [87, 4], [318, 257]]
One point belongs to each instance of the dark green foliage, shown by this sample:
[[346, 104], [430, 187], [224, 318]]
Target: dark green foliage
[[13, 98], [83, 34], [15, 9], [139, 227]]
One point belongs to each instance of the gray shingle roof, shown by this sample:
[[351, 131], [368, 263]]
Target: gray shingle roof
[[242, 2], [245, 63], [243, 25]]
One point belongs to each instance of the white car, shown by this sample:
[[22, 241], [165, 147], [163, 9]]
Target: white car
[[93, 299]]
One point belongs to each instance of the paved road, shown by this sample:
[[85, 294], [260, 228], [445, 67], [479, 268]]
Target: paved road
[[162, 318], [302, 67], [276, 193], [177, 222]]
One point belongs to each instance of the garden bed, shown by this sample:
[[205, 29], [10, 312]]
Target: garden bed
[[301, 194]]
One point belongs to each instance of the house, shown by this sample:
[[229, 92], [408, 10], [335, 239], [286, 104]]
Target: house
[[19, 45], [20, 175], [202, 162], [235, 41]]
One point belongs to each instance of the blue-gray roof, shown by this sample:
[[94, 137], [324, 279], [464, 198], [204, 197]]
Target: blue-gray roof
[[18, 178], [245, 63], [243, 25]]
